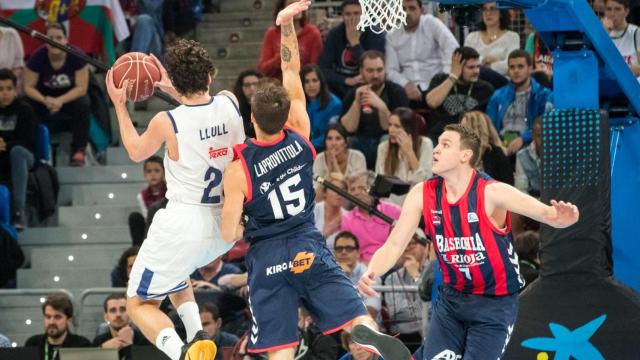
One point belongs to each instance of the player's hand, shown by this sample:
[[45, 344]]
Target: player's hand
[[515, 145], [366, 282], [457, 64], [563, 214], [287, 14], [164, 83], [117, 95]]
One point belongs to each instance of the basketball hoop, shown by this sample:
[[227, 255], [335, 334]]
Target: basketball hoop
[[382, 15]]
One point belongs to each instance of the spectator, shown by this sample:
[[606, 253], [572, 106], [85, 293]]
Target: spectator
[[623, 34], [323, 107], [245, 88], [57, 85], [366, 110], [542, 60], [405, 155], [370, 230], [58, 317], [493, 159], [207, 277], [178, 20], [153, 169], [12, 55], [347, 251], [337, 157], [211, 324], [419, 51], [120, 273], [528, 247], [309, 42], [405, 309], [528, 172], [314, 345], [328, 213], [451, 95], [17, 143], [355, 351], [4, 342], [494, 41], [121, 334], [343, 47], [513, 107], [144, 18]]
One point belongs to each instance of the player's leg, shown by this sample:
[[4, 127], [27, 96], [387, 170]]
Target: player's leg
[[184, 302], [282, 354], [446, 336]]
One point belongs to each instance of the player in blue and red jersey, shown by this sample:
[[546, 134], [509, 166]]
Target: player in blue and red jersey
[[467, 216], [272, 184]]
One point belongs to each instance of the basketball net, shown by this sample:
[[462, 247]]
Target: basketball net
[[381, 15]]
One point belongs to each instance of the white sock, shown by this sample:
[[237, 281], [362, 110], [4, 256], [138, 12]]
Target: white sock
[[190, 317], [169, 342]]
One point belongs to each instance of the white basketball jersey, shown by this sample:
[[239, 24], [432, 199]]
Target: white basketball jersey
[[626, 44], [206, 135]]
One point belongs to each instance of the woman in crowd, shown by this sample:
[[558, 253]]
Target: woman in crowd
[[493, 159], [323, 107], [337, 157], [328, 213], [405, 155], [494, 41], [120, 274], [245, 88], [309, 42]]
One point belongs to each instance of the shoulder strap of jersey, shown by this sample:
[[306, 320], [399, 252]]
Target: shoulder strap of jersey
[[313, 149]]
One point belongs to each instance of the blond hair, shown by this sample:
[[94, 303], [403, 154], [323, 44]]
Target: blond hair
[[481, 124]]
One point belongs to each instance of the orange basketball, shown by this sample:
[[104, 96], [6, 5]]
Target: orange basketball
[[141, 72]]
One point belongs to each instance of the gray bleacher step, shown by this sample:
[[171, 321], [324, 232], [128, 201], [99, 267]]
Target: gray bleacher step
[[245, 34], [73, 216], [100, 194], [223, 83], [268, 7], [230, 14], [75, 235], [117, 155], [66, 278], [100, 174], [232, 67], [242, 50], [63, 258], [249, 21]]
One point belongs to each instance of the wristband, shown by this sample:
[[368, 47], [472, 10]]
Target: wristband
[[453, 78]]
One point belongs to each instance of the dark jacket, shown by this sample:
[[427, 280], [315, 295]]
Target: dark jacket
[[71, 341]]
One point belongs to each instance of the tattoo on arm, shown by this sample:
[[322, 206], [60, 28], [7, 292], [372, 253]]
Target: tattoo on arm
[[287, 29], [285, 54]]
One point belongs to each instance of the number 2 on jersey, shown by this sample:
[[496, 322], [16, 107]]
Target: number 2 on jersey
[[214, 176], [289, 197]]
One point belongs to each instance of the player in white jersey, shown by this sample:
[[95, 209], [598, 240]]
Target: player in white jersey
[[198, 136], [624, 35]]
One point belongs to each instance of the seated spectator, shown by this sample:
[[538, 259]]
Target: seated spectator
[[405, 309], [178, 20], [343, 47], [370, 230], [323, 107], [451, 95], [355, 351], [528, 247], [12, 55], [309, 43], [542, 60], [328, 213], [144, 18], [528, 172], [366, 110], [337, 157], [624, 35], [314, 345], [58, 318], [120, 273], [418, 51], [347, 252], [18, 129], [153, 169], [5, 342], [207, 277], [493, 159], [513, 108], [211, 324], [245, 88], [56, 84], [121, 334], [405, 155], [494, 41]]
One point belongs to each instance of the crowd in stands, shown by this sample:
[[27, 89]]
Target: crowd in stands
[[377, 103]]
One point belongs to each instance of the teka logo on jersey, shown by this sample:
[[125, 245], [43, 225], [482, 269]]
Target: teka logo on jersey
[[214, 153], [301, 263]]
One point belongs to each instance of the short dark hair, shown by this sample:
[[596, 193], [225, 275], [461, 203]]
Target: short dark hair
[[348, 235], [55, 25], [270, 107], [519, 53], [419, 3], [112, 297], [153, 159], [625, 3], [189, 67], [237, 88], [370, 54], [468, 139], [337, 127], [528, 245], [504, 20], [7, 74], [122, 263], [467, 53], [59, 301], [324, 96], [210, 308], [346, 3]]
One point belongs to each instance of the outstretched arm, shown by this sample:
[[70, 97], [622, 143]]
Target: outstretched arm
[[290, 56], [234, 194]]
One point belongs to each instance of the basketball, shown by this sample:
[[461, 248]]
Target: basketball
[[141, 72]]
